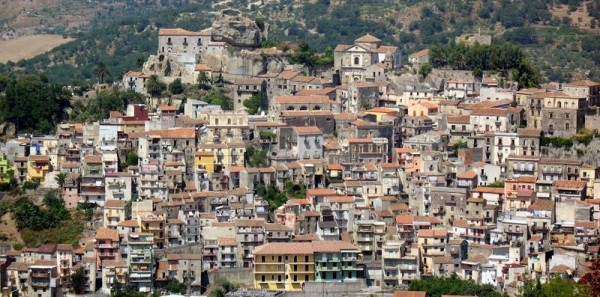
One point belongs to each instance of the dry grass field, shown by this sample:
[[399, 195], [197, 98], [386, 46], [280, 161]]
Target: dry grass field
[[26, 47]]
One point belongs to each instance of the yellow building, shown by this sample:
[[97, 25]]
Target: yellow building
[[283, 266], [37, 168], [5, 171], [204, 160], [224, 154], [381, 112], [587, 173]]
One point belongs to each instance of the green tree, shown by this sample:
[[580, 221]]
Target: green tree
[[101, 72], [218, 97], [436, 287], [555, 287], [254, 103], [61, 178], [425, 70], [34, 105], [78, 281], [459, 145], [258, 158], [203, 80], [176, 87], [174, 286], [155, 86], [526, 75], [4, 81], [496, 184]]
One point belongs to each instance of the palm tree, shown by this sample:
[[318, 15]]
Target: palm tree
[[61, 178], [203, 80], [101, 72], [155, 86]]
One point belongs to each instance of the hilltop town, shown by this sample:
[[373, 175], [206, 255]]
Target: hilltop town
[[361, 176]]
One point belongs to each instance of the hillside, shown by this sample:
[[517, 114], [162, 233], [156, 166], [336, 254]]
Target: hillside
[[560, 36]]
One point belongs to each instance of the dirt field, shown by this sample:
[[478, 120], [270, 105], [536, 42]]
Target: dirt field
[[7, 226], [29, 46]]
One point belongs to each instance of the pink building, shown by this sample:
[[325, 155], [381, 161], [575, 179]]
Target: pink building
[[106, 246]]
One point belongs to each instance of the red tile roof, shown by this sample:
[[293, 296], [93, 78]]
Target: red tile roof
[[421, 53], [301, 99], [309, 130], [432, 233], [368, 38], [106, 233], [405, 219], [181, 32], [569, 184]]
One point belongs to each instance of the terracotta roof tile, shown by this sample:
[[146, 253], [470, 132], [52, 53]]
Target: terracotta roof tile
[[368, 38], [106, 233], [569, 184], [181, 32], [421, 53], [308, 130], [301, 99], [432, 233], [405, 219], [320, 192]]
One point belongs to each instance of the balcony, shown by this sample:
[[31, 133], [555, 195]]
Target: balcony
[[391, 277], [40, 275], [107, 245], [40, 284], [410, 277]]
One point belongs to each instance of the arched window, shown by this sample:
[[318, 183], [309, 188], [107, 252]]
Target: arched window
[[303, 107], [356, 60], [559, 104], [290, 108], [317, 107]]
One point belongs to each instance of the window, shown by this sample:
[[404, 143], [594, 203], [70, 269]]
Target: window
[[567, 126], [356, 60], [551, 115]]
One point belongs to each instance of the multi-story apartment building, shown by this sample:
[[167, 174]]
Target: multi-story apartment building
[[287, 266], [44, 280], [368, 150], [140, 260], [118, 186], [155, 224], [151, 183], [106, 246], [432, 243], [92, 180], [250, 234], [114, 212], [225, 126], [179, 42], [562, 114], [352, 62], [246, 88], [584, 88], [400, 263], [113, 271], [368, 238], [300, 143], [187, 268], [228, 253]]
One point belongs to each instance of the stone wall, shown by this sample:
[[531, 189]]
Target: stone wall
[[242, 277], [329, 289]]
